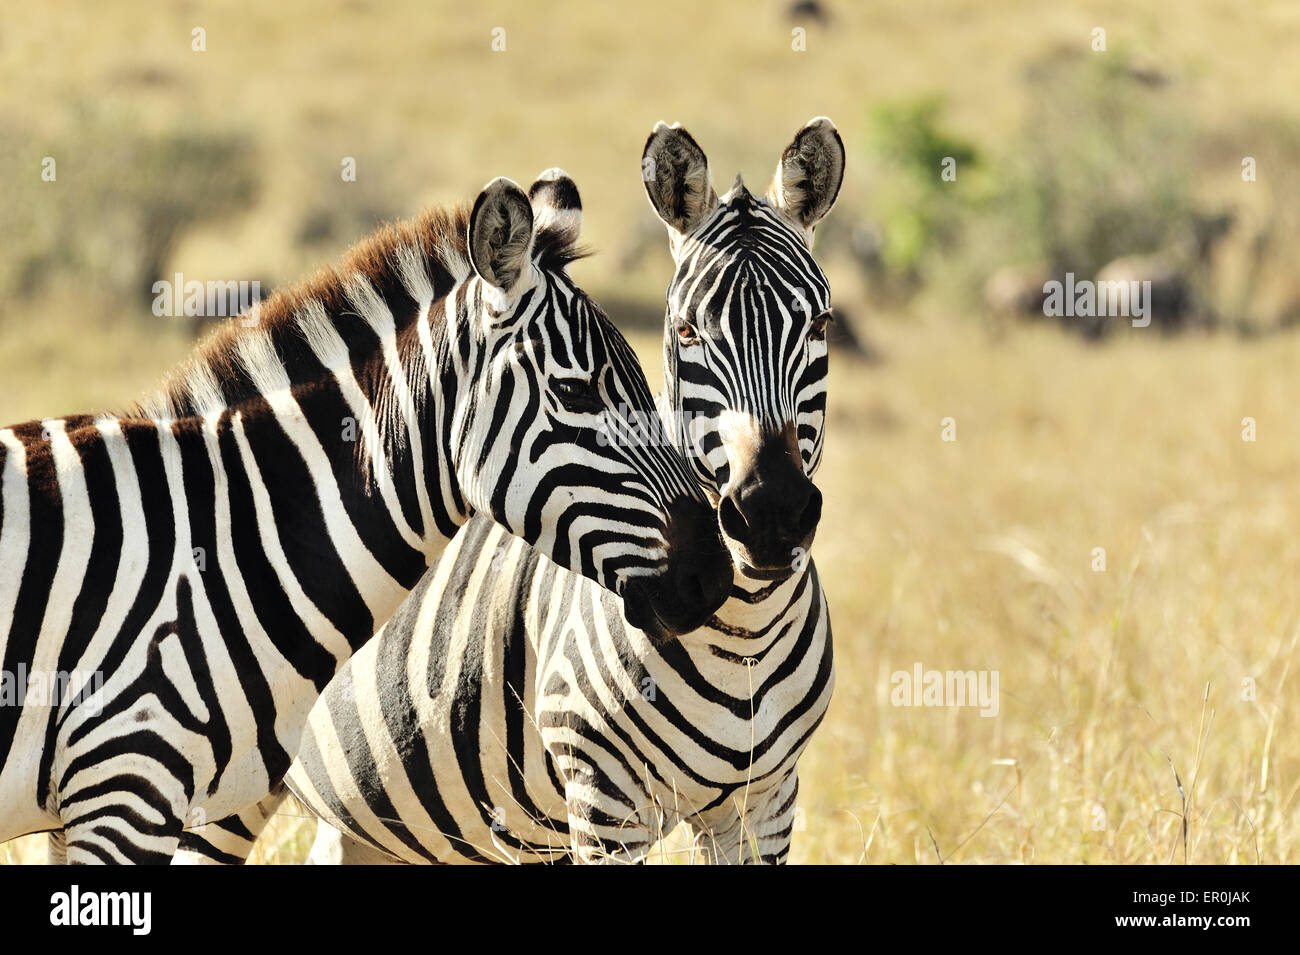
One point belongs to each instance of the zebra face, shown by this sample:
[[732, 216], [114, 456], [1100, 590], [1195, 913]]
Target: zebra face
[[558, 440], [745, 350]]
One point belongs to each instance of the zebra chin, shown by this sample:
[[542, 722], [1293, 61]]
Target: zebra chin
[[695, 582], [770, 553]]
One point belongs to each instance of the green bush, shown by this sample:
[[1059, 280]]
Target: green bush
[[918, 211], [1103, 166]]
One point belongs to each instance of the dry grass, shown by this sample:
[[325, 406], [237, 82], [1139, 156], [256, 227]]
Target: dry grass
[[974, 554], [977, 554], [414, 92]]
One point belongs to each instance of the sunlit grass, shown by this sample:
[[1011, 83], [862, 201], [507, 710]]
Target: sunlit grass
[[978, 554]]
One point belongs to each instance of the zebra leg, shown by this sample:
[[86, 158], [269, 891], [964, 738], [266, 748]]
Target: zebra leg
[[775, 828], [761, 837], [230, 841], [606, 830], [720, 838], [56, 848], [121, 832], [334, 847], [125, 807]]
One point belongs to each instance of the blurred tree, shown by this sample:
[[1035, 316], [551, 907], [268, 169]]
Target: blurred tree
[[921, 177], [122, 197]]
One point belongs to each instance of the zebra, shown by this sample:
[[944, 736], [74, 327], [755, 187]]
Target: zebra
[[202, 564], [507, 712]]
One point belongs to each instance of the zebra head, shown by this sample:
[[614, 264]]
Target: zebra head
[[745, 338], [551, 439]]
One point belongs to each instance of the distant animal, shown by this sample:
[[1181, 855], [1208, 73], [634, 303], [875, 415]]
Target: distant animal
[[1016, 291], [1173, 273], [804, 11]]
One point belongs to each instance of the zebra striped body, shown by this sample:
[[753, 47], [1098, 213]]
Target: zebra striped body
[[209, 560], [509, 713]]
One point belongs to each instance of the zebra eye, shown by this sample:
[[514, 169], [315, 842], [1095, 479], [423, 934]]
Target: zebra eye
[[579, 395], [686, 333], [818, 330]]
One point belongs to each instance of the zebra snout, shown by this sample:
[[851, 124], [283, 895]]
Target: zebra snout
[[703, 574], [693, 584], [699, 566], [769, 519]]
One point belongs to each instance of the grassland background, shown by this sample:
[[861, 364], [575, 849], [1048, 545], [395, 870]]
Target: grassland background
[[973, 554]]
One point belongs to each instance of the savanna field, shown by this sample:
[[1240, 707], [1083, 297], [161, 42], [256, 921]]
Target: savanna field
[[1114, 528]]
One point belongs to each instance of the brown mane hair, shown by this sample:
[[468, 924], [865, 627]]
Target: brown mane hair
[[437, 236]]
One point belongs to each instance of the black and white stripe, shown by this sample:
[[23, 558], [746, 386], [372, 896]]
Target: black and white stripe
[[525, 721], [509, 713], [216, 554]]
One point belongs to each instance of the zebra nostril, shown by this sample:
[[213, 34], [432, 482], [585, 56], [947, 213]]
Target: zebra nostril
[[811, 514], [732, 522]]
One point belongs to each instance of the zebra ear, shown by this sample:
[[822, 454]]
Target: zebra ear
[[501, 233], [677, 178], [557, 207], [809, 175]]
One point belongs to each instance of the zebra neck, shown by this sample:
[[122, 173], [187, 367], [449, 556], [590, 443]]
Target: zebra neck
[[348, 521], [356, 458], [351, 373]]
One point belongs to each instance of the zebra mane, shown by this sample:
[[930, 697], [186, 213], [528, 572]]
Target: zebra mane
[[554, 248], [278, 340], [402, 264]]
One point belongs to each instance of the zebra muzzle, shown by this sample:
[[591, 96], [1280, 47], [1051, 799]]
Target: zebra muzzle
[[769, 512], [694, 583]]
